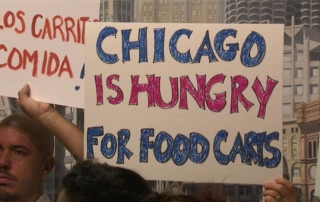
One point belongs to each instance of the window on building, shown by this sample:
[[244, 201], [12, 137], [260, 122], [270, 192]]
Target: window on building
[[150, 18], [294, 153], [292, 130], [159, 14], [310, 149], [314, 149], [314, 71], [285, 142], [175, 8], [259, 190], [287, 74], [245, 190], [119, 5], [101, 6], [209, 6], [106, 5], [150, 8], [229, 190], [299, 73], [215, 6], [287, 90], [144, 8], [286, 109], [175, 18], [199, 11], [296, 170], [297, 129], [160, 1], [284, 131], [144, 18], [314, 89], [299, 57], [287, 57], [294, 141], [182, 8], [298, 90], [193, 12]]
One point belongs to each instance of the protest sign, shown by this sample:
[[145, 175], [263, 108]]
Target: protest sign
[[42, 43], [186, 102]]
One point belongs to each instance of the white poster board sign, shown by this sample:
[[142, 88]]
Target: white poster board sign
[[42, 43], [186, 102]]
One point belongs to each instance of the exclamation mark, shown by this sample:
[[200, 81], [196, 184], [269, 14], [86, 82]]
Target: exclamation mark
[[81, 76]]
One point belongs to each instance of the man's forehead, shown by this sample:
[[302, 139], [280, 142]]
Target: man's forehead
[[15, 136], [12, 129]]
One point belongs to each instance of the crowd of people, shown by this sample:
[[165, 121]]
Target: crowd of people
[[26, 157]]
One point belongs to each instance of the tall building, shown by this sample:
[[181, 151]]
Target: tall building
[[263, 11], [106, 11], [117, 10], [308, 119], [183, 11], [298, 12], [310, 13]]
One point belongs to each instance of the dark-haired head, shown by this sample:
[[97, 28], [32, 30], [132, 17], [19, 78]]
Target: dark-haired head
[[91, 181]]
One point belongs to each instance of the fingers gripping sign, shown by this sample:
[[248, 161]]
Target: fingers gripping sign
[[282, 190]]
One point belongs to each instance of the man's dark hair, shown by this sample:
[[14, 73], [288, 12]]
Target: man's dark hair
[[90, 181], [42, 138]]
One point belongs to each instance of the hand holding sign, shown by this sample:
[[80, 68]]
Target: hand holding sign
[[282, 190], [67, 133]]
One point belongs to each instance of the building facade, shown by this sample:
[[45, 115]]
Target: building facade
[[287, 12], [117, 10], [262, 11], [308, 119], [183, 11], [310, 14]]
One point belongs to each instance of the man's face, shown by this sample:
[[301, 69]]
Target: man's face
[[21, 165]]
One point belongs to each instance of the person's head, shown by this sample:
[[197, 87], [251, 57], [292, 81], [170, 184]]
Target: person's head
[[26, 157], [91, 181]]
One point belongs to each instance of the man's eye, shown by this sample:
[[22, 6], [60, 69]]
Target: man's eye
[[20, 152]]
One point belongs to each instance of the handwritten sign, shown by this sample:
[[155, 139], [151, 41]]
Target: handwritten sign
[[42, 43], [190, 102]]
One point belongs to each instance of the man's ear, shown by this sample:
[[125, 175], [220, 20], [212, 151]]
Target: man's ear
[[48, 164]]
